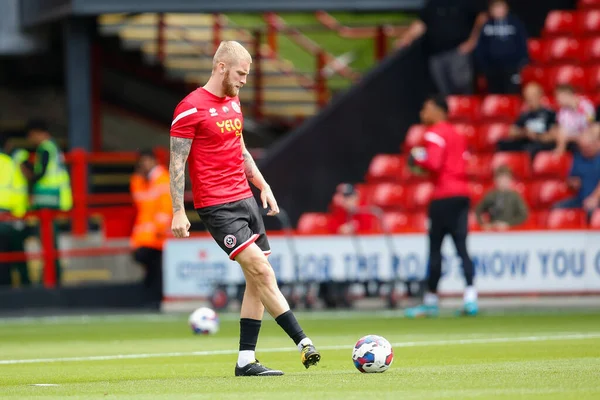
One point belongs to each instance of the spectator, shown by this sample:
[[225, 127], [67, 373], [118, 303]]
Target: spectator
[[502, 206], [502, 49], [348, 217], [531, 132], [150, 191], [451, 30], [575, 117], [49, 181], [584, 178]]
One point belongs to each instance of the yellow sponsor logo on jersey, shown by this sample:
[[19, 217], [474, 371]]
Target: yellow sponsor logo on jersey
[[231, 125]]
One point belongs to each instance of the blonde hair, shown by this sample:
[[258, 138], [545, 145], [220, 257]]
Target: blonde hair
[[230, 53]]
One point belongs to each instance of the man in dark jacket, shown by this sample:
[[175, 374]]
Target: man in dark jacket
[[450, 29], [502, 49]]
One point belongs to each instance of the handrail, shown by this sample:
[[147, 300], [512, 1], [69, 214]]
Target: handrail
[[48, 253]]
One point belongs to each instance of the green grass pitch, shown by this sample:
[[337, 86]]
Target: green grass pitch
[[512, 356]]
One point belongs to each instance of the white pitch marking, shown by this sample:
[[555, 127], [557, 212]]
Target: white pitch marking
[[453, 342], [44, 384]]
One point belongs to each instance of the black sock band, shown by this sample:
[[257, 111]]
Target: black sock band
[[288, 322], [249, 329]]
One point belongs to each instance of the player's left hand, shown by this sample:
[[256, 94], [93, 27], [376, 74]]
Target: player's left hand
[[268, 200]]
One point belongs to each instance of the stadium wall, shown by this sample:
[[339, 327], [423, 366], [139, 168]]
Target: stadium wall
[[372, 117]]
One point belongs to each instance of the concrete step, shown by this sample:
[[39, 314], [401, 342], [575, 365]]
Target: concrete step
[[279, 95], [273, 80], [205, 64], [289, 110], [151, 19], [143, 33]]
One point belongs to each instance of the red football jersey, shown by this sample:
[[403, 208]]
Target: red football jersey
[[446, 160], [215, 162]]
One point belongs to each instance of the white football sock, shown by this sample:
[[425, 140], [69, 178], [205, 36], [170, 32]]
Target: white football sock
[[304, 342], [245, 357], [430, 299], [470, 294]]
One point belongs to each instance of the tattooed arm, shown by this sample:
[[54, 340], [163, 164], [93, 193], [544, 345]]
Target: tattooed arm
[[180, 149], [254, 176], [252, 172]]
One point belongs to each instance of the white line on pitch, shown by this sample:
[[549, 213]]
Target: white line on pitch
[[290, 349]]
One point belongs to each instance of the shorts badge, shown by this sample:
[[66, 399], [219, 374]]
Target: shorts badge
[[230, 241]]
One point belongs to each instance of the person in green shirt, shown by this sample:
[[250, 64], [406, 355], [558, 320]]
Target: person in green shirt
[[49, 180], [502, 207]]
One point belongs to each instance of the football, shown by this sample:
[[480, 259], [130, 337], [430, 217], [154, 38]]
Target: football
[[204, 321], [372, 353]]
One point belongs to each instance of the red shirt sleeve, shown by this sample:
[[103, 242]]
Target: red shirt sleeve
[[185, 121], [435, 146]]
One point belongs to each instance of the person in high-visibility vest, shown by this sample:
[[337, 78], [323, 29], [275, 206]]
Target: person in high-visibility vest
[[152, 199], [13, 200], [49, 180]]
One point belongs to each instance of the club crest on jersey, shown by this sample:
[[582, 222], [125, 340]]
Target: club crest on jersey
[[213, 112], [225, 109], [236, 107], [230, 241]]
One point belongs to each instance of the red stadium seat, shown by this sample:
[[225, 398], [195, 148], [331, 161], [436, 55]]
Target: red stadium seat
[[588, 4], [593, 78], [490, 134], [561, 23], [591, 50], [468, 131], [538, 51], [548, 193], [478, 167], [589, 22], [370, 224], [500, 108], [535, 74], [463, 108], [386, 168], [518, 162], [526, 192], [419, 222], [477, 192], [566, 219], [568, 74], [389, 196], [396, 222], [314, 223], [419, 196], [472, 222], [549, 165], [595, 221], [414, 137], [365, 192], [550, 102], [564, 50]]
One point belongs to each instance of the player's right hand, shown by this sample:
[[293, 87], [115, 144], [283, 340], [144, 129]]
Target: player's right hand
[[180, 225]]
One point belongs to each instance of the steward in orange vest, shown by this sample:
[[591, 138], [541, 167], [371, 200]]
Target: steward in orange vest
[[151, 197]]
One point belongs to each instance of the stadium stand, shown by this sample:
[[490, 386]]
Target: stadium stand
[[567, 52]]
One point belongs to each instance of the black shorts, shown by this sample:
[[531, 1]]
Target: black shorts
[[235, 226]]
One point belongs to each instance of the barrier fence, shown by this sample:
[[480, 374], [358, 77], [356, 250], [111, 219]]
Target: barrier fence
[[85, 206]]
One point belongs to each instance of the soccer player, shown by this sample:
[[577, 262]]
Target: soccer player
[[444, 157], [207, 129]]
